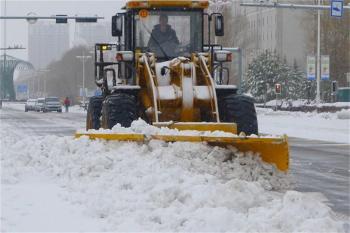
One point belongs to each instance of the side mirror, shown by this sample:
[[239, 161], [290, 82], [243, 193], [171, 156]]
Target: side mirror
[[219, 25], [117, 25]]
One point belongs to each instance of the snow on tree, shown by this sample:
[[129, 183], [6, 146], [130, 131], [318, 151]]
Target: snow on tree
[[267, 70]]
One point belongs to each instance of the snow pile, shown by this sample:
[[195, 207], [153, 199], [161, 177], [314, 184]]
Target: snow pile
[[287, 103], [321, 115], [344, 114], [14, 105], [141, 127], [75, 109], [303, 102], [167, 186]]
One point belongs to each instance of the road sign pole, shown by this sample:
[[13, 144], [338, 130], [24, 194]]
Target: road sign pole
[[318, 88], [84, 79]]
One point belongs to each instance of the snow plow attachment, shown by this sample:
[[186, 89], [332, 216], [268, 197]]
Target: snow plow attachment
[[272, 150]]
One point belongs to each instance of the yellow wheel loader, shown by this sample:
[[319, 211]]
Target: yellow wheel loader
[[161, 70]]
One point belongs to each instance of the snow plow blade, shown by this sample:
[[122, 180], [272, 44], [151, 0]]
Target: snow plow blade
[[272, 150]]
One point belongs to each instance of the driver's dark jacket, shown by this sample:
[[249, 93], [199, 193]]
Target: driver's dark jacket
[[169, 36]]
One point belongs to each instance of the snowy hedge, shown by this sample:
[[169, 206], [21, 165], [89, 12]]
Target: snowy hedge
[[267, 70]]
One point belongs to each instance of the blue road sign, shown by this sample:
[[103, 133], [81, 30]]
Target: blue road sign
[[22, 88], [337, 8]]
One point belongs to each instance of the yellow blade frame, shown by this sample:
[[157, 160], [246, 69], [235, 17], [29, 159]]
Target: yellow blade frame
[[200, 126]]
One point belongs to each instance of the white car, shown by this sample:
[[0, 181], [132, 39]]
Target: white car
[[30, 105], [52, 104], [39, 104]]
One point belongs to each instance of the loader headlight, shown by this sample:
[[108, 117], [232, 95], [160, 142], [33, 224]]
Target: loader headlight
[[105, 47], [124, 56], [223, 56]]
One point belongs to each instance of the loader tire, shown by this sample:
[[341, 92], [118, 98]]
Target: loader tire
[[94, 113], [119, 108], [239, 109]]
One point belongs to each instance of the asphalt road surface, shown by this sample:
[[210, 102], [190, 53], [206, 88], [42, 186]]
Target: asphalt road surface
[[316, 166]]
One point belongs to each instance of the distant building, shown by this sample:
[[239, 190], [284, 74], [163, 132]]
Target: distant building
[[47, 42], [276, 29], [91, 33]]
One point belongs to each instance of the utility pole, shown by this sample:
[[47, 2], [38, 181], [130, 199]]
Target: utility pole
[[4, 58], [83, 58], [318, 78], [44, 72]]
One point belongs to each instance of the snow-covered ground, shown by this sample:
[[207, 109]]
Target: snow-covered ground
[[333, 127], [52, 183], [75, 109]]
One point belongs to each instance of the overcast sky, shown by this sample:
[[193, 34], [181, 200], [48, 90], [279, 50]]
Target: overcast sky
[[17, 30]]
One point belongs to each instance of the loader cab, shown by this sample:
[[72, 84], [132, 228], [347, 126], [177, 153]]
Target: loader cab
[[140, 24], [182, 33], [167, 32], [187, 31]]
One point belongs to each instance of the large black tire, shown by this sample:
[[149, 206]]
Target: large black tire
[[94, 113], [119, 108], [239, 109]]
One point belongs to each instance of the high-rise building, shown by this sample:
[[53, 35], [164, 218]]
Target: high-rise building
[[277, 30], [89, 34], [47, 42]]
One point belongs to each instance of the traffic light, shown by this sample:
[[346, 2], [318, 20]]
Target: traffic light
[[61, 20], [334, 86], [86, 20], [278, 88]]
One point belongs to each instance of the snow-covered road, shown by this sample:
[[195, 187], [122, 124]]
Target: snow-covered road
[[129, 187], [316, 126]]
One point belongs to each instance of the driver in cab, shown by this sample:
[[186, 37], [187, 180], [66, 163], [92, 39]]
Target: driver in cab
[[163, 38]]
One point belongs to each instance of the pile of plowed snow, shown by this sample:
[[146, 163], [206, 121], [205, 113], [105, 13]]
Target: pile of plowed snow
[[141, 127], [167, 186]]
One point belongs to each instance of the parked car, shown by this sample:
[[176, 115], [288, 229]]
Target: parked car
[[30, 105], [52, 104], [39, 104]]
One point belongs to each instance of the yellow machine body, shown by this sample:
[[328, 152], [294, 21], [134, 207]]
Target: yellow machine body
[[187, 96]]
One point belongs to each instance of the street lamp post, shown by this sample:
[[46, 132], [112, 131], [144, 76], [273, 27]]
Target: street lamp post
[[318, 79], [43, 71], [4, 58], [83, 58]]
